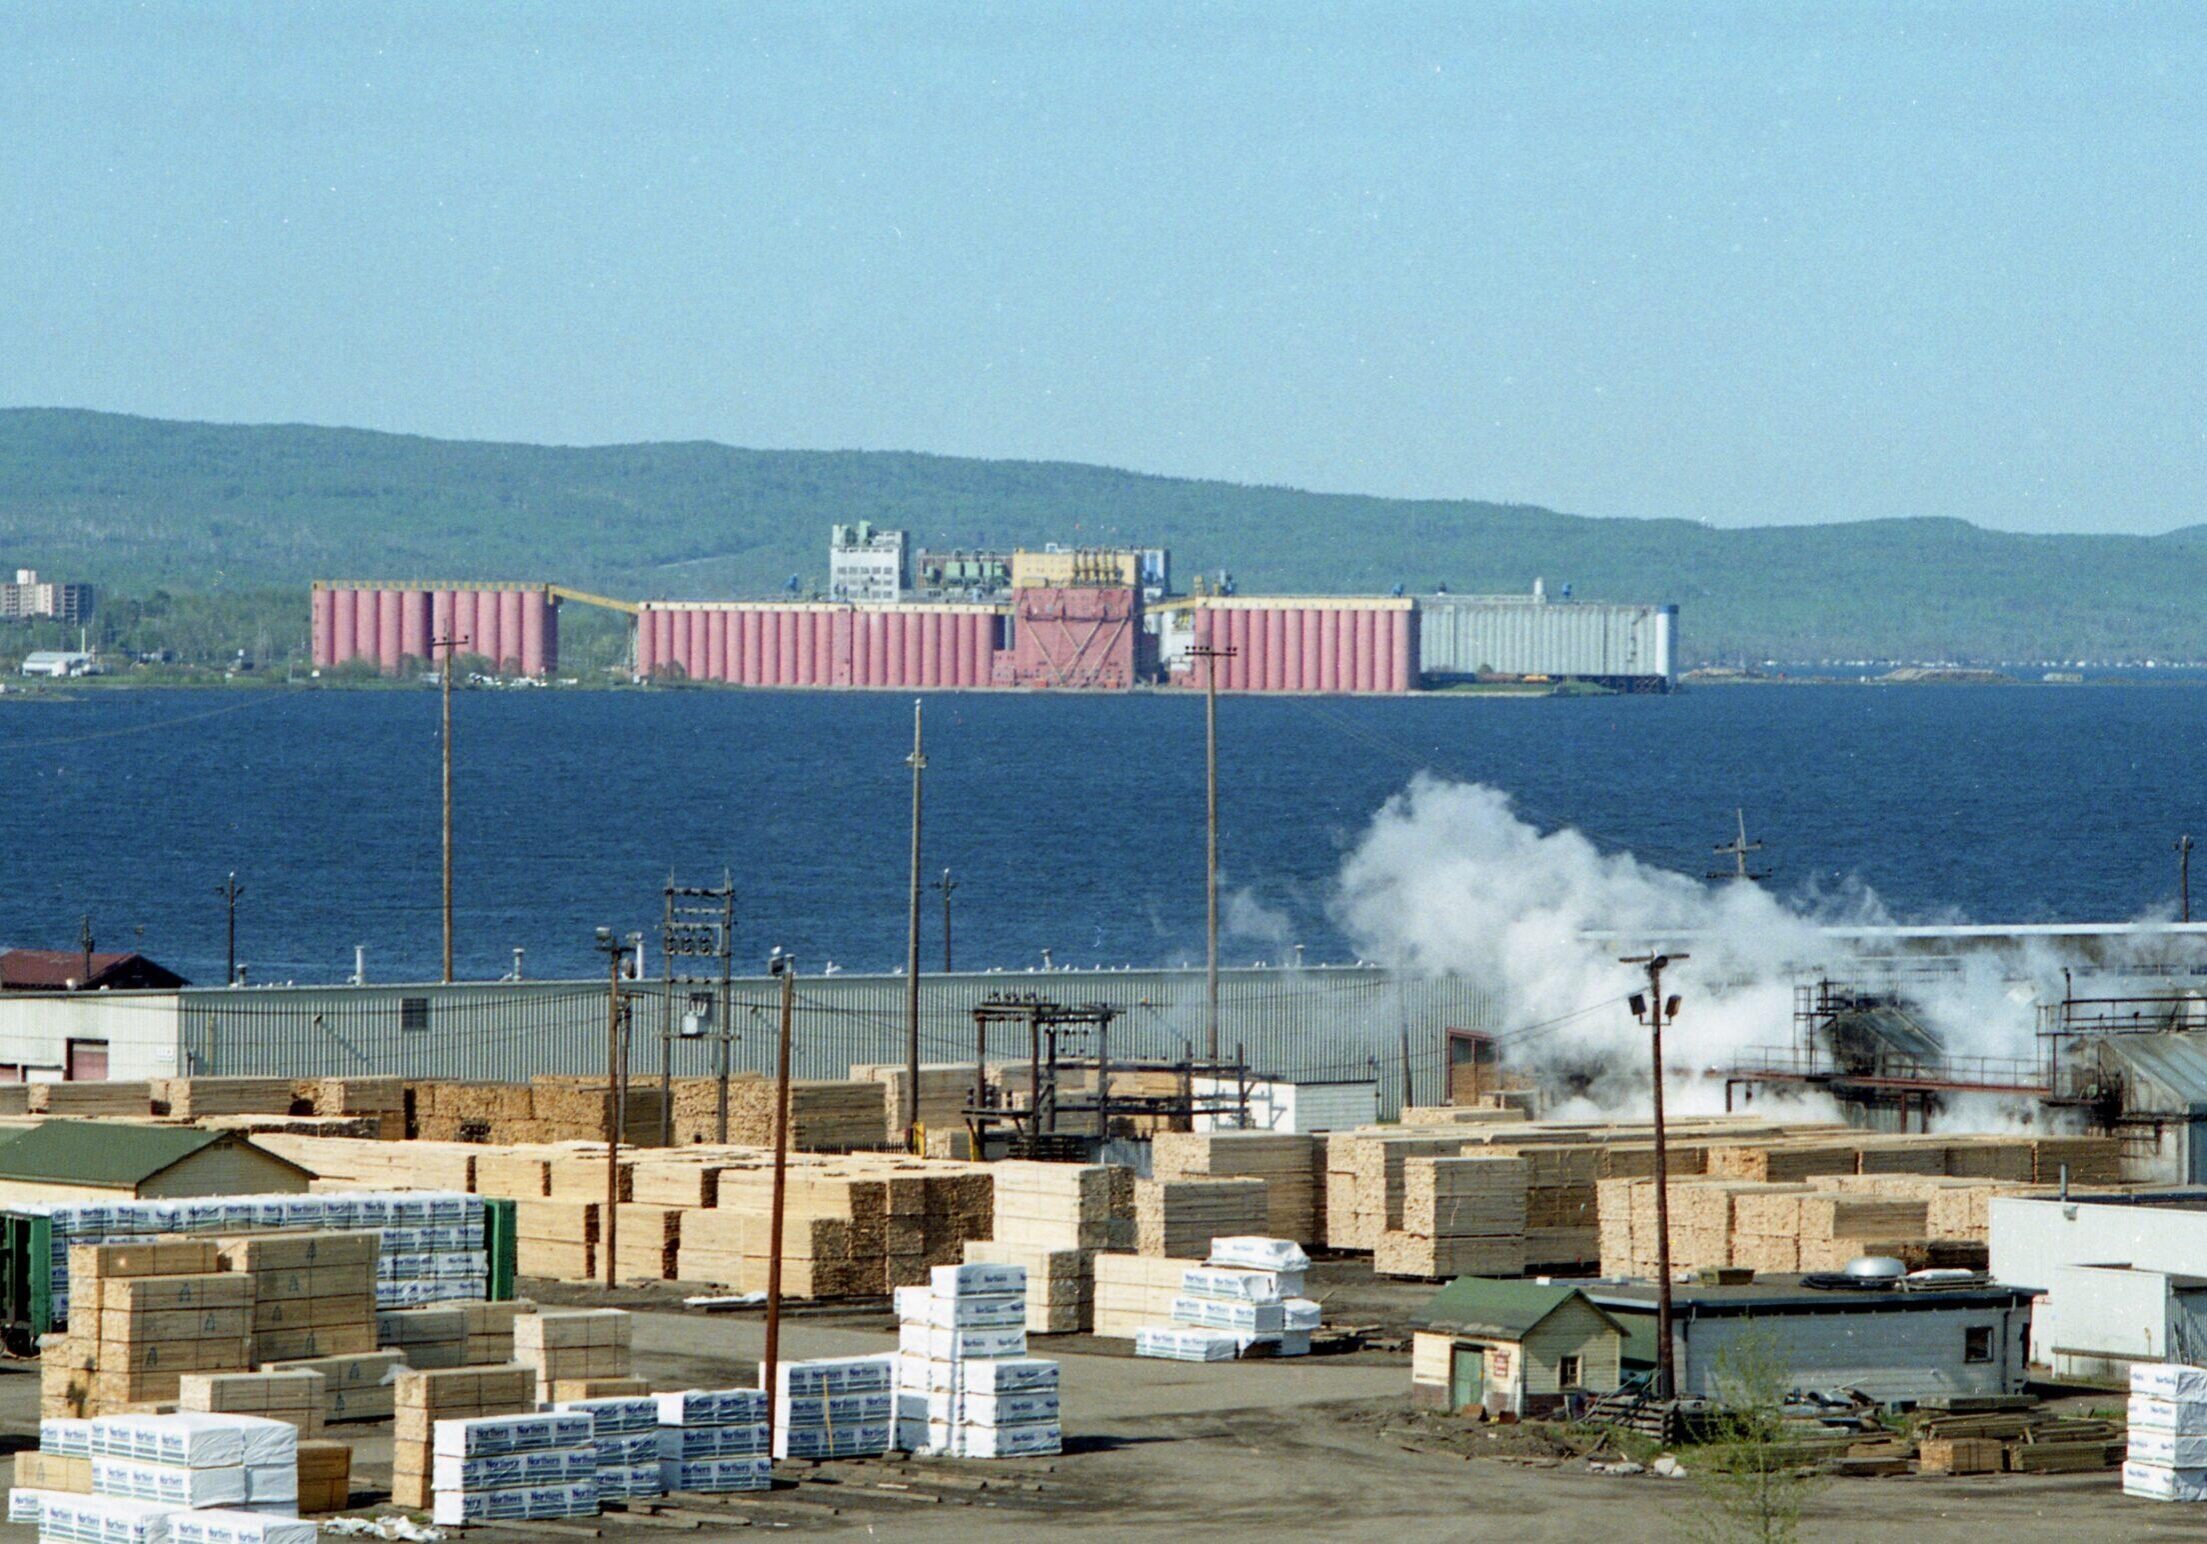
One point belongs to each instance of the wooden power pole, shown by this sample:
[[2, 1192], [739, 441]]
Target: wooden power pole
[[2184, 873], [946, 885], [614, 949], [1210, 656], [230, 891], [1651, 1010], [784, 966], [917, 761]]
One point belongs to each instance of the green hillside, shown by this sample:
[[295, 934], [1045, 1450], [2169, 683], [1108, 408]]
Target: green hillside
[[190, 516]]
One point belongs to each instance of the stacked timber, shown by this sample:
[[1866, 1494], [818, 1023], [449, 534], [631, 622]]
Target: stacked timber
[[677, 1179], [1178, 1218], [518, 1174], [946, 1088], [569, 1348], [1766, 1229], [825, 1116], [1287, 1162], [166, 1307], [1062, 1205], [646, 1242], [1459, 1115], [1135, 1292], [1060, 1283], [89, 1099], [190, 1098], [696, 1107], [2081, 1160], [1461, 1216], [295, 1396], [380, 1099], [558, 1239], [341, 1163], [577, 1173], [1837, 1228], [314, 1294], [1780, 1228], [424, 1398], [365, 1127], [568, 1109]]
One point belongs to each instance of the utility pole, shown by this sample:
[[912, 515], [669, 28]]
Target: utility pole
[[1737, 850], [614, 949], [2184, 873], [917, 761], [450, 644], [229, 891], [784, 966], [1210, 655], [84, 942], [946, 884], [1652, 1009]]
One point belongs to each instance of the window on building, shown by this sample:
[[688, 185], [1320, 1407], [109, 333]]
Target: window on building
[[1568, 1372], [413, 1014], [1977, 1343]]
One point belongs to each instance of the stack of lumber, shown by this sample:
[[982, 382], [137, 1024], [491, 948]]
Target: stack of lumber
[[558, 1239], [569, 1347], [1178, 1218], [1062, 1205], [1461, 1216], [1837, 1228], [2029, 1441], [566, 1109], [190, 1098], [577, 1173], [458, 1334], [357, 1127], [517, 1173], [1766, 1229], [2088, 1160], [825, 1115], [1458, 1114], [696, 1105], [325, 1476], [89, 1099], [355, 1388], [423, 1398], [1061, 1283], [295, 1396], [946, 1088], [678, 1179], [1779, 1228], [314, 1294], [166, 1307], [344, 1163], [1135, 1292], [473, 1112], [1287, 1163], [646, 1242], [380, 1099]]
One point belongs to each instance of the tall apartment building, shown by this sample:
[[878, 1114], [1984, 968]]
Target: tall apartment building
[[31, 598]]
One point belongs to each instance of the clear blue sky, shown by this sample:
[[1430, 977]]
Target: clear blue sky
[[1748, 263]]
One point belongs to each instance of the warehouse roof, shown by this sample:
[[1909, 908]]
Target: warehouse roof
[[54, 970], [103, 1153], [1506, 1310], [2176, 1060]]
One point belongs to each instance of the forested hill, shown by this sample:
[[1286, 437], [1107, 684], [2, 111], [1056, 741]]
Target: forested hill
[[137, 504]]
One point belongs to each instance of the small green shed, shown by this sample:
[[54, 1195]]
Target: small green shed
[[1521, 1347], [73, 1160]]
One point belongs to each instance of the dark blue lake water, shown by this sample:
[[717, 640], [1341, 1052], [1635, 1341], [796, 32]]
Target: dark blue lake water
[[1073, 824]]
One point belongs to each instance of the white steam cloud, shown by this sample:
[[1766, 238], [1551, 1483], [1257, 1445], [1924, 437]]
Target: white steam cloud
[[1449, 881]]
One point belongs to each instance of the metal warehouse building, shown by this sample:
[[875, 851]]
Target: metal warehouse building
[[1629, 647], [1323, 1023]]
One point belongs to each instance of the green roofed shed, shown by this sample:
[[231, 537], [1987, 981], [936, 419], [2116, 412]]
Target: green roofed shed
[[1520, 1346], [61, 1160]]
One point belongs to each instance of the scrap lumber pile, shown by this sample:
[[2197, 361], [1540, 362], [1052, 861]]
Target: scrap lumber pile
[[1134, 1292], [2026, 1441], [1461, 1216], [1180, 1217], [1287, 1162], [190, 1098]]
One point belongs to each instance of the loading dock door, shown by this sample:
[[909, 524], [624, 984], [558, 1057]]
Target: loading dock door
[[1467, 1376], [87, 1061]]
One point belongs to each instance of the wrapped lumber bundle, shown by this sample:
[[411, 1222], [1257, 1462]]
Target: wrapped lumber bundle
[[1462, 1216], [423, 1398], [624, 1437], [1250, 1289], [966, 1387], [1287, 1162], [89, 1099], [1061, 1283], [2166, 1454], [825, 1116], [1134, 1291], [713, 1441], [1180, 1217], [193, 1097], [512, 1468], [1062, 1205], [837, 1407]]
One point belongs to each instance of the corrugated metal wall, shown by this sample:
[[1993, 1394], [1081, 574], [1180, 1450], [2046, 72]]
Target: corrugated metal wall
[[1463, 635], [1309, 1024]]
